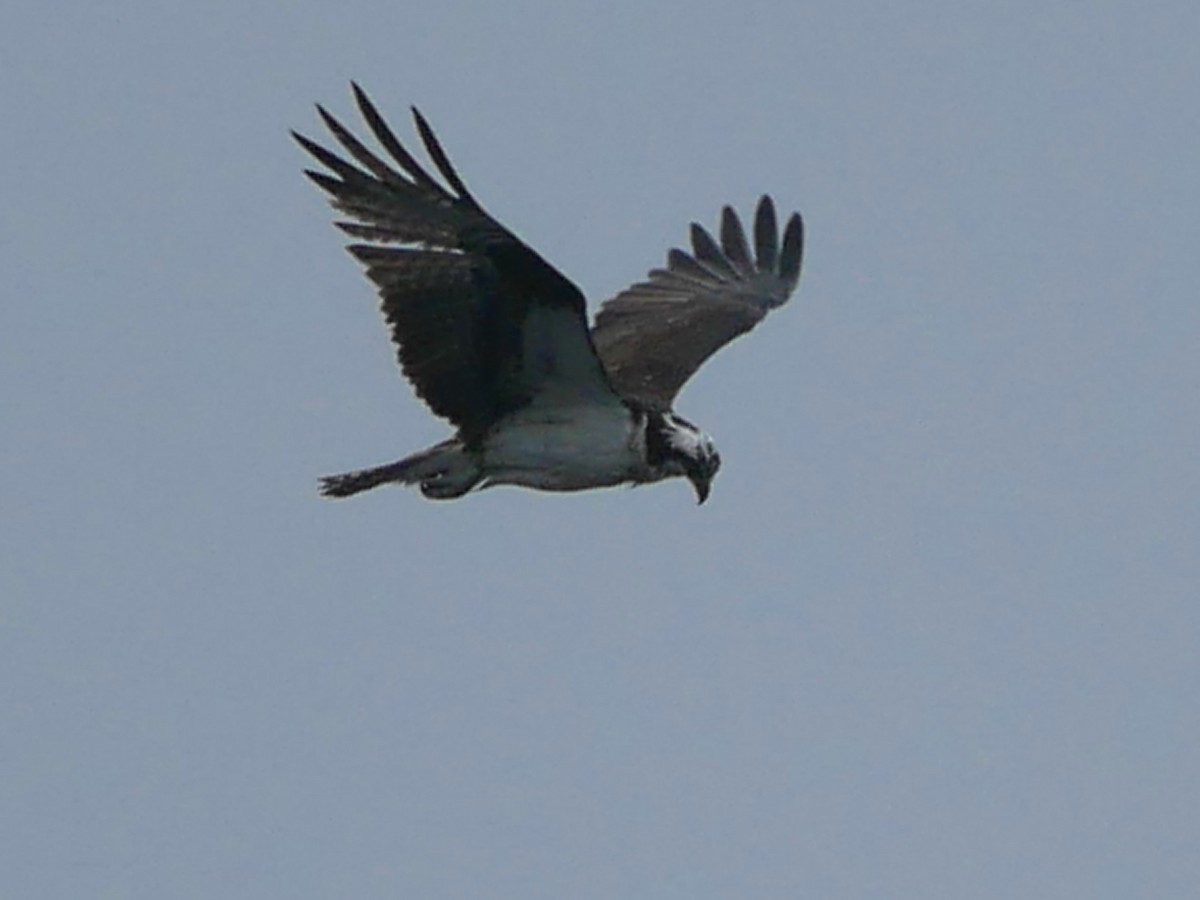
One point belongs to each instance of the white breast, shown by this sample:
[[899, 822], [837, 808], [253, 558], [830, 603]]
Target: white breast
[[566, 448]]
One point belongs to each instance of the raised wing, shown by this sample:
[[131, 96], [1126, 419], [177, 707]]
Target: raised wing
[[653, 336], [482, 324]]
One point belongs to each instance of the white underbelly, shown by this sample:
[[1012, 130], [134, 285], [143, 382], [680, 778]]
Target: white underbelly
[[595, 446]]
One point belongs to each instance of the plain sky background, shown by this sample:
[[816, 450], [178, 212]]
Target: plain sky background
[[935, 635]]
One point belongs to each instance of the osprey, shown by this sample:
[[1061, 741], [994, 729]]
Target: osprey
[[496, 340]]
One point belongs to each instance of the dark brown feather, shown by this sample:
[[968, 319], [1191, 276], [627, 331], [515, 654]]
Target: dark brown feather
[[457, 298], [653, 336]]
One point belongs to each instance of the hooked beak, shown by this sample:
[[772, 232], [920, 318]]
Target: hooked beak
[[702, 487]]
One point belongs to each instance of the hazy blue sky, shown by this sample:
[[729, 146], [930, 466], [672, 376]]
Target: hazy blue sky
[[935, 635]]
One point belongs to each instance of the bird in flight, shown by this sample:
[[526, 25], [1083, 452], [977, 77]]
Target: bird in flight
[[496, 340]]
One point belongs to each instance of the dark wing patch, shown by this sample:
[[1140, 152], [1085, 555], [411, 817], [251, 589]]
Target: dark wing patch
[[458, 296], [653, 336], [429, 301]]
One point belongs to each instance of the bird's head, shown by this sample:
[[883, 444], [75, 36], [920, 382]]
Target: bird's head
[[693, 453]]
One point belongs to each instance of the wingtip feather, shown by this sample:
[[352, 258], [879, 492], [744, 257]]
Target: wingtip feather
[[733, 242], [792, 252], [766, 235], [440, 159]]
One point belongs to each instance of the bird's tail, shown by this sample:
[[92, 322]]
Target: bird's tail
[[444, 471]]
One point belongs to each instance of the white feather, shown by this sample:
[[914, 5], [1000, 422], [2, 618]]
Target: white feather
[[567, 448]]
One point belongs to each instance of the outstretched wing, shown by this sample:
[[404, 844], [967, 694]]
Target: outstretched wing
[[653, 336], [482, 324]]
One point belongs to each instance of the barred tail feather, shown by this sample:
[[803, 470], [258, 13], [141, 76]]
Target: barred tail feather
[[444, 472], [350, 483]]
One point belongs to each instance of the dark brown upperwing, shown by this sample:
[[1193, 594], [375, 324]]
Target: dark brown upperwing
[[654, 335], [458, 296]]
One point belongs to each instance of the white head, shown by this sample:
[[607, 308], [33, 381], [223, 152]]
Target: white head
[[693, 451]]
